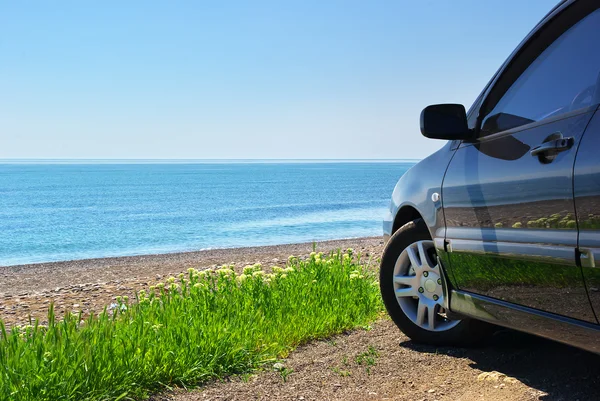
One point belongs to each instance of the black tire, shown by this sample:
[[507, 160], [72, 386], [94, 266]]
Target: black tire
[[467, 332]]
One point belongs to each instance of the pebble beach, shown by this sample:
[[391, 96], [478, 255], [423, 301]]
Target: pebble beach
[[89, 285]]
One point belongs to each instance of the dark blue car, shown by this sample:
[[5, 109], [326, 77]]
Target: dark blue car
[[502, 225]]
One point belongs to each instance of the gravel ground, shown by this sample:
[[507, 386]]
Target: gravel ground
[[512, 366], [375, 364]]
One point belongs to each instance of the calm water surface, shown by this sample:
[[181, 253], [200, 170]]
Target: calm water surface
[[52, 212]]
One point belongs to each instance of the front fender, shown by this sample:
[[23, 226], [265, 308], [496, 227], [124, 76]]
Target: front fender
[[416, 189]]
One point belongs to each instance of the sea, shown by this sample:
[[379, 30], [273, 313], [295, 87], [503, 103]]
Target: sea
[[58, 210]]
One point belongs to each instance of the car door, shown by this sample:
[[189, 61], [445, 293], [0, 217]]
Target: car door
[[508, 195], [587, 206]]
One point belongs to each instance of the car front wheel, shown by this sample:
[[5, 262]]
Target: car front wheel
[[412, 288]]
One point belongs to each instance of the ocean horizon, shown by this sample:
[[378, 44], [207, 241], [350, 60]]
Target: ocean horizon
[[70, 209], [195, 161]]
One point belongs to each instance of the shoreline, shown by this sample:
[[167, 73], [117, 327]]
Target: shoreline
[[177, 256], [88, 285], [90, 260]]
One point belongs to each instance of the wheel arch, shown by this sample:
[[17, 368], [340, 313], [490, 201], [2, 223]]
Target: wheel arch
[[405, 215]]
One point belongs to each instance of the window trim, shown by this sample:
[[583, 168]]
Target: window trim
[[496, 135], [530, 49]]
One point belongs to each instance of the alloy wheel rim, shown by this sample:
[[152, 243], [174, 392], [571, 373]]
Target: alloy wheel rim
[[419, 289]]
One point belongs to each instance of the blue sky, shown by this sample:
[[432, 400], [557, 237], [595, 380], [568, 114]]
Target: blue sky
[[252, 79]]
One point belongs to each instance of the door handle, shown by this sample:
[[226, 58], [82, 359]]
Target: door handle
[[553, 146]]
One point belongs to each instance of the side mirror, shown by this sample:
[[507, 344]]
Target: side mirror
[[445, 121]]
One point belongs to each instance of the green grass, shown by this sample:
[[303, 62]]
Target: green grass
[[367, 358], [189, 330]]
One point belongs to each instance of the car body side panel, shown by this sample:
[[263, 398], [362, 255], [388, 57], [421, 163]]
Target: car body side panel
[[558, 328], [416, 189], [511, 221], [587, 206]]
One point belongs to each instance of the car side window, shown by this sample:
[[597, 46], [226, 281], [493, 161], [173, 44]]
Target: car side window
[[563, 78]]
